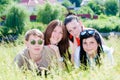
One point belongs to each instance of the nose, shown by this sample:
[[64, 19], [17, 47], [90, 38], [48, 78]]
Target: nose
[[56, 34], [89, 46]]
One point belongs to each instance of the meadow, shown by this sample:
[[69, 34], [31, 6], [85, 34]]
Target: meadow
[[9, 71]]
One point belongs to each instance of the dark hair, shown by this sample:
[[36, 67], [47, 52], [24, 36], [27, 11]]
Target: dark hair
[[67, 20], [64, 43], [82, 53], [70, 18]]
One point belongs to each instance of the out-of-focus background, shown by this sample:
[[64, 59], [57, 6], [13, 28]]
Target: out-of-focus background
[[18, 16]]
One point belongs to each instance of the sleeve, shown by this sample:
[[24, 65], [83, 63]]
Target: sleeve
[[77, 57], [19, 60], [109, 53]]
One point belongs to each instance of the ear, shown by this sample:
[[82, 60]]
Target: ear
[[26, 42]]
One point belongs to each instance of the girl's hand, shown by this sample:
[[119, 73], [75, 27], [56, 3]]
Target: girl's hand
[[56, 49]]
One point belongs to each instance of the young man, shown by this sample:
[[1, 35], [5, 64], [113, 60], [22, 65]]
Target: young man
[[35, 56]]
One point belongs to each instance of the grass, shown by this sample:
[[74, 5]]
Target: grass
[[8, 71]]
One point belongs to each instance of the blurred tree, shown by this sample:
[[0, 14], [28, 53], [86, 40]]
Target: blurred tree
[[66, 3], [119, 7], [17, 0], [3, 6], [77, 2], [49, 12], [97, 6], [16, 18], [111, 7], [85, 10]]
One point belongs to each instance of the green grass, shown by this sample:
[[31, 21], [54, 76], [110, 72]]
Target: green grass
[[8, 71]]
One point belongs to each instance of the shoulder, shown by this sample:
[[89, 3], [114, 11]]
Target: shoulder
[[21, 55], [107, 50], [109, 53]]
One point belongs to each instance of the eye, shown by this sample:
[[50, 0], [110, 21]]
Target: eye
[[33, 42], [40, 42], [92, 42], [74, 27], [84, 43], [61, 32]]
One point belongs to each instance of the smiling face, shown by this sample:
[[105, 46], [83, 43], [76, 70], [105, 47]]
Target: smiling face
[[56, 35], [90, 46], [74, 28], [34, 44]]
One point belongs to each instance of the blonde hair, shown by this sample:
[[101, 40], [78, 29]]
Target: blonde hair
[[35, 32]]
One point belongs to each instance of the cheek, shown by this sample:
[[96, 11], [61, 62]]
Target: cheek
[[80, 29], [84, 47], [61, 36], [94, 47], [28, 45], [52, 34]]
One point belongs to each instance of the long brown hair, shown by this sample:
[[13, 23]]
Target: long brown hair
[[63, 45]]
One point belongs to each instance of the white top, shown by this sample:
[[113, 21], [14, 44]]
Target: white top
[[106, 50]]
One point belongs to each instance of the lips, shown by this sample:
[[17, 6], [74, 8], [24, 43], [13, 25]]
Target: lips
[[36, 49], [90, 50]]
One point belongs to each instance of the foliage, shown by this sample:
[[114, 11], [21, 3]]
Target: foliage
[[104, 24], [49, 12], [111, 7], [84, 10], [4, 30], [16, 18], [102, 16], [66, 3], [3, 6], [77, 2], [97, 7], [17, 0], [32, 25]]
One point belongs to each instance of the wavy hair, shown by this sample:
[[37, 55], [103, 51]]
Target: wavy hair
[[63, 45]]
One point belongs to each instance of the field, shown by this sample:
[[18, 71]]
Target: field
[[8, 71]]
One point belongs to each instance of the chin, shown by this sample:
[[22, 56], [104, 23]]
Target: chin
[[89, 53]]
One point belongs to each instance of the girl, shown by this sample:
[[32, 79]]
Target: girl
[[91, 49]]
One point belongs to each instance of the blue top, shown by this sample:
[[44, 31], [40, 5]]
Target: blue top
[[108, 51]]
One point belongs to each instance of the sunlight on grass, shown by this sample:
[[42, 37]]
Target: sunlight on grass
[[9, 71]]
